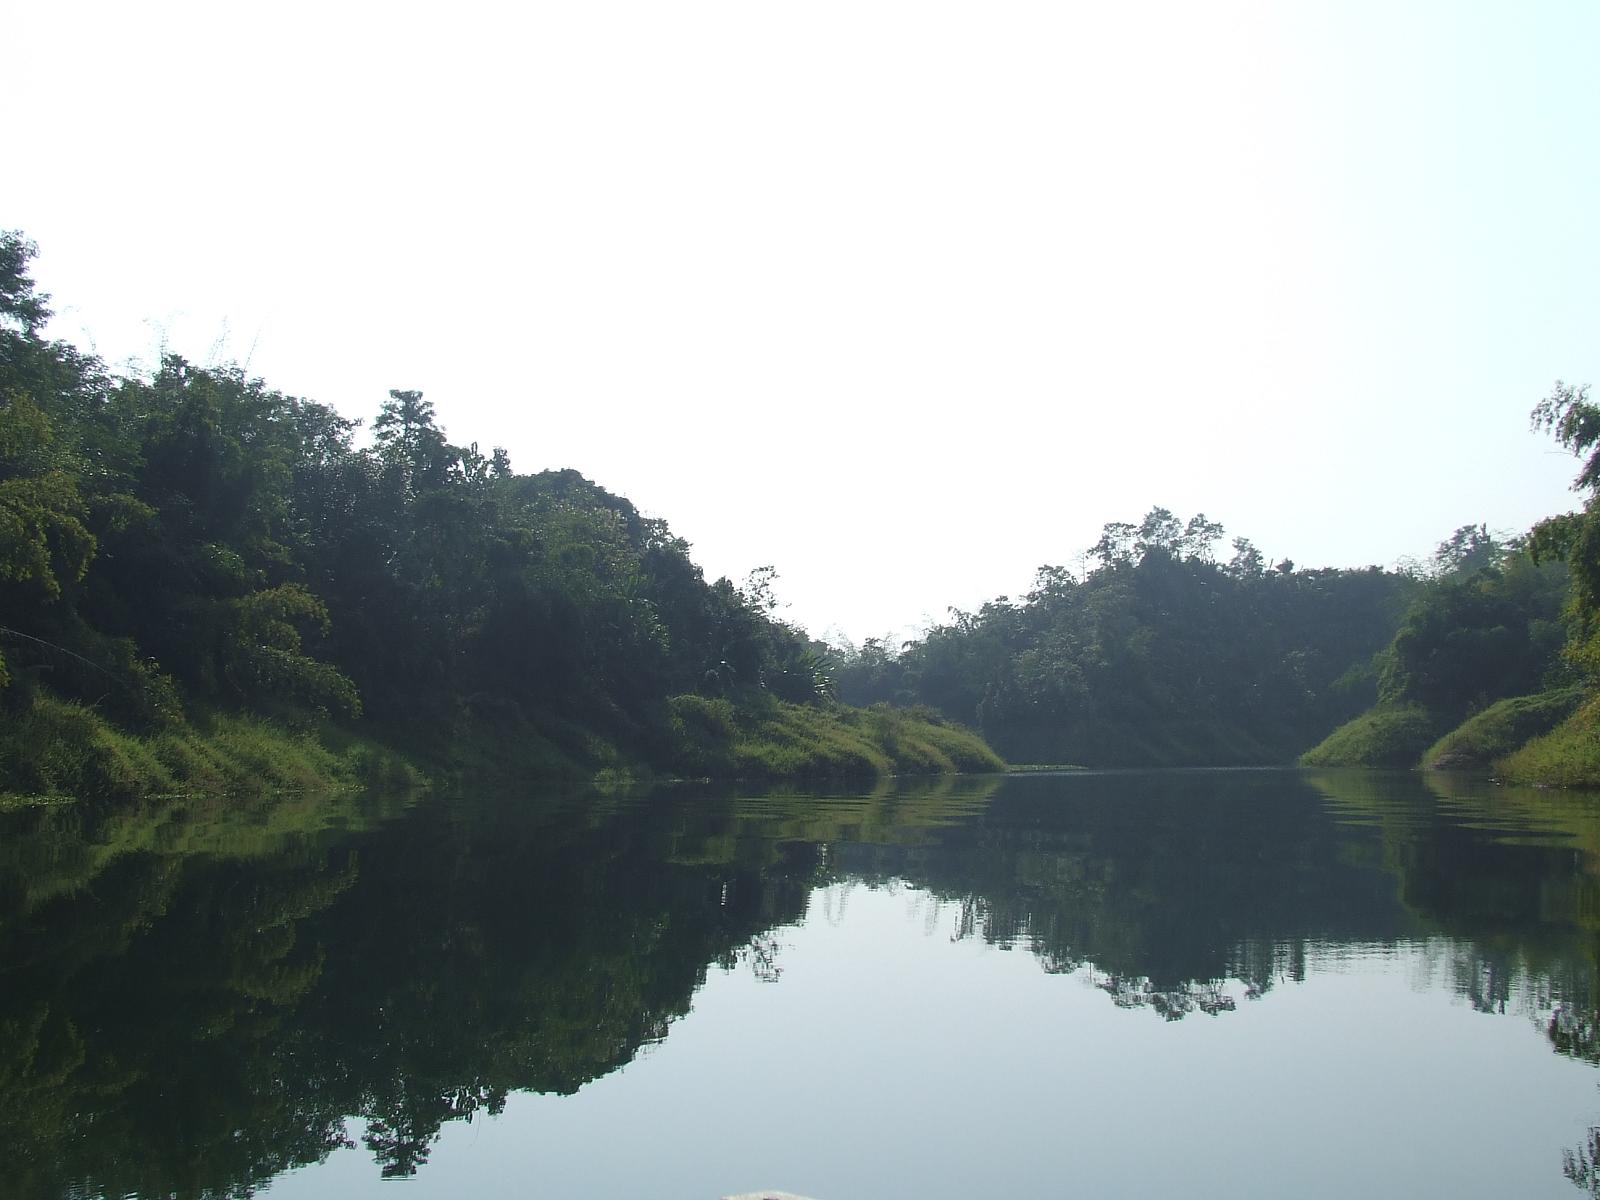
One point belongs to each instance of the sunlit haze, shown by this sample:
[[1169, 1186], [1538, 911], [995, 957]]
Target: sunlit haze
[[902, 299]]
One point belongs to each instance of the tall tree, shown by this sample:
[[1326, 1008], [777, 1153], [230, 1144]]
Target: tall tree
[[1574, 420]]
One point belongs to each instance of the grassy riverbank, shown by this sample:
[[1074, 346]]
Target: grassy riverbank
[[1387, 736], [1549, 738], [1567, 756], [775, 740], [59, 749]]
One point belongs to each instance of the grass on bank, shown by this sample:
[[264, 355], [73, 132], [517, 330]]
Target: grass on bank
[[1551, 739], [756, 737], [1567, 756], [57, 749], [60, 749], [1500, 729], [771, 739], [1393, 736]]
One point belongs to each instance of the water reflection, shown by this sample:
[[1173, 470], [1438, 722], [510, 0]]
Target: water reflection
[[197, 996]]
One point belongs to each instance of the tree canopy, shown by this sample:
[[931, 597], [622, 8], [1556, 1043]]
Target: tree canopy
[[196, 540], [1158, 655]]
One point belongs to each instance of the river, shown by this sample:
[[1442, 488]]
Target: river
[[1251, 983]]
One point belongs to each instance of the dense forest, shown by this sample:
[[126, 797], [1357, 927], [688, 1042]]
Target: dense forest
[[204, 581], [1163, 655], [1495, 665]]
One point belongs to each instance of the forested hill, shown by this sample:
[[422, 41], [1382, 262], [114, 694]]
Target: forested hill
[[1496, 662], [1160, 656], [192, 564], [207, 584], [1484, 657]]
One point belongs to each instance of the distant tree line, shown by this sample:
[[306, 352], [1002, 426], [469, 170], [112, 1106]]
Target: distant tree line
[[1159, 654], [1162, 654]]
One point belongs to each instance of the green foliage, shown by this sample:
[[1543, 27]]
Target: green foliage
[[1569, 755], [1473, 637], [1386, 736], [1485, 626], [22, 308], [263, 655], [45, 545], [1491, 646], [43, 539], [1569, 416], [1574, 538], [1500, 729]]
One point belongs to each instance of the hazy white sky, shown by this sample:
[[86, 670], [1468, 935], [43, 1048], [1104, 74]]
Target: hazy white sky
[[905, 299]]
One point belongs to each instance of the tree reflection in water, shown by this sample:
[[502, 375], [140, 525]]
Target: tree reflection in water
[[199, 997]]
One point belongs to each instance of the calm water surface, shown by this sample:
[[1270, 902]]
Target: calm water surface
[[1211, 983]]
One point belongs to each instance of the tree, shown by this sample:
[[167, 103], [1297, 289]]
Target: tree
[[409, 439], [1247, 562], [22, 309], [1471, 639], [1467, 549], [1198, 537], [1569, 415], [1115, 546], [1160, 532], [46, 544]]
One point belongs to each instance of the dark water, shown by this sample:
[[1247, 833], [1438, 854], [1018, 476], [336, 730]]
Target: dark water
[[1213, 984]]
